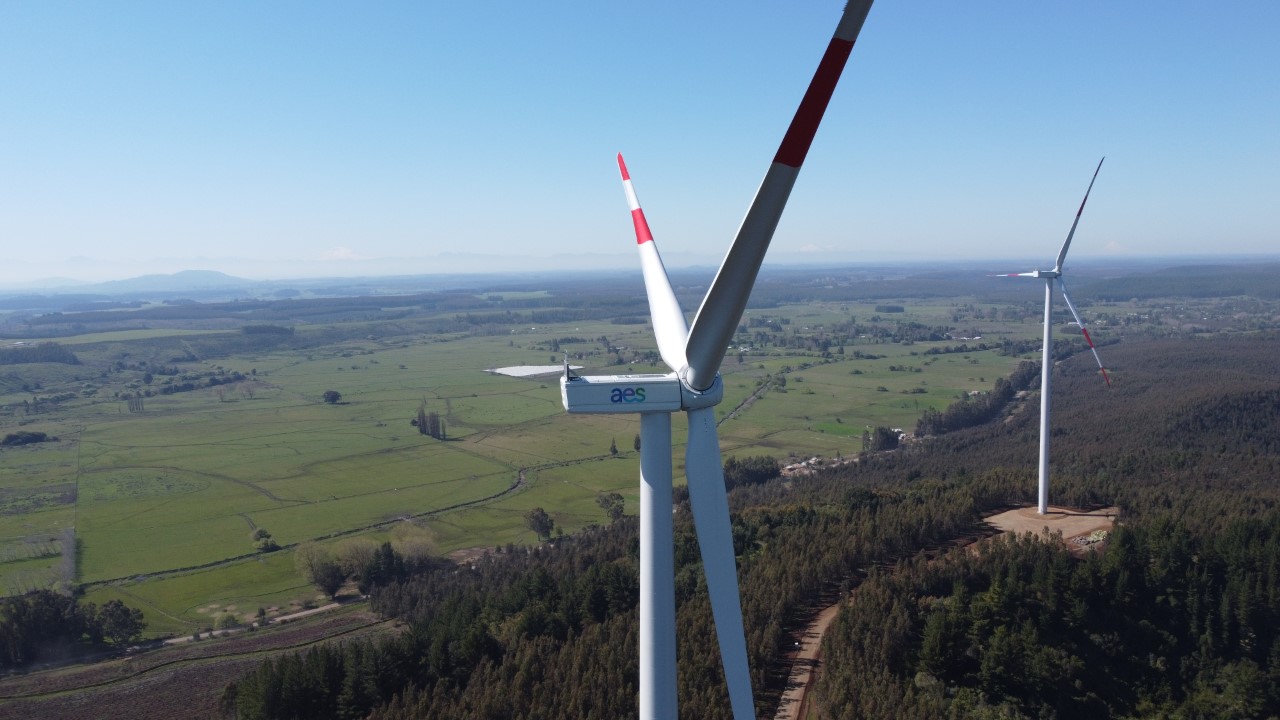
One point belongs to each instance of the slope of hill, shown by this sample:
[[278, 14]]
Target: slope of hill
[[1177, 618], [556, 628]]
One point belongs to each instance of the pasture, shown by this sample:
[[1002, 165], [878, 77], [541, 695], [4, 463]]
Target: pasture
[[165, 491]]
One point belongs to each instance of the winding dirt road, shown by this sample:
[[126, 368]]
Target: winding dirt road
[[807, 657]]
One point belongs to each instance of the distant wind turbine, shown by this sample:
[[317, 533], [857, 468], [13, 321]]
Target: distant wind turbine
[[694, 355], [1046, 368]]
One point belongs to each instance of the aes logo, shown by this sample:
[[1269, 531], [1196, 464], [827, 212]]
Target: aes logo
[[621, 395]]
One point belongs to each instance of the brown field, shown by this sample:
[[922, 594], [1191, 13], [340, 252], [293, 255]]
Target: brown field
[[183, 681]]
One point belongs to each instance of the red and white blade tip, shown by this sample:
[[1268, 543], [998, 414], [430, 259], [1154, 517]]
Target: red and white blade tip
[[1080, 323], [1094, 350], [643, 233]]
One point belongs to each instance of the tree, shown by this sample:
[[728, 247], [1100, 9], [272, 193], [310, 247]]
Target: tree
[[884, 439], [307, 557], [384, 567], [319, 567], [613, 447], [370, 564], [636, 443], [120, 623], [540, 523], [329, 577], [612, 504], [263, 541], [332, 396], [434, 425], [355, 555]]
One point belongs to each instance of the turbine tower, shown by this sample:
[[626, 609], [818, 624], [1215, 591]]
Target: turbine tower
[[1046, 368], [694, 354]]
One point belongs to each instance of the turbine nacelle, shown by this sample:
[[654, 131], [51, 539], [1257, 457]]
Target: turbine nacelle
[[638, 393], [1033, 274]]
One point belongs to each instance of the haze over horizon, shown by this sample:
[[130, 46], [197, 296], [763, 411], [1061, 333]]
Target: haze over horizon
[[325, 141]]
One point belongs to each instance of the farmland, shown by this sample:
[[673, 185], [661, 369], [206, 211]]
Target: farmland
[[183, 430]]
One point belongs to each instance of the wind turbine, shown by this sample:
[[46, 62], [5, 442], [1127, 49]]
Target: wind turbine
[[694, 355], [1046, 367]]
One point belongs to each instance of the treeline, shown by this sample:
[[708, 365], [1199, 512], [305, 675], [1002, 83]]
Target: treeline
[[208, 382], [45, 625], [365, 563], [266, 330], [26, 437], [763, 331], [962, 348], [750, 470], [41, 353], [977, 409]]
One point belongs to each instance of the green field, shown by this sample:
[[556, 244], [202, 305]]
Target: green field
[[164, 493]]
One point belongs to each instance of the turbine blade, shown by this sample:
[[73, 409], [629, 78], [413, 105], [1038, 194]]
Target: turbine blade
[[1062, 254], [1062, 284], [1025, 274], [669, 326], [715, 538], [721, 309]]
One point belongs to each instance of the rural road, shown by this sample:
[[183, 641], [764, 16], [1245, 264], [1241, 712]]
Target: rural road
[[804, 665], [282, 618]]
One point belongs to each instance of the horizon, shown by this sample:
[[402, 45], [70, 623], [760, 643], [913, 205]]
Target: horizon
[[520, 271], [329, 141]]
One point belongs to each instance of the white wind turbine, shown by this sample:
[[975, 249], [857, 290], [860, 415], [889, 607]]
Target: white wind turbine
[[1046, 368], [694, 355]]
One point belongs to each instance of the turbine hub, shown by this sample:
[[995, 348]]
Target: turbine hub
[[691, 399]]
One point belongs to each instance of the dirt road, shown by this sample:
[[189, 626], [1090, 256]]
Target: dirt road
[[807, 656]]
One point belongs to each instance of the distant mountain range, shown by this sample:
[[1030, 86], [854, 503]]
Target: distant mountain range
[[211, 286], [177, 282], [1107, 279]]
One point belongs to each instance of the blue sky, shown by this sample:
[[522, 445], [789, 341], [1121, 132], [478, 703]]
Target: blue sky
[[278, 139]]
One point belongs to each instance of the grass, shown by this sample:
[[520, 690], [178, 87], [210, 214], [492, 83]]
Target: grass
[[182, 604], [130, 336], [185, 482]]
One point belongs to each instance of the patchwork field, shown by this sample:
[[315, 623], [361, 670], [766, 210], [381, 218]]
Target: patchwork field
[[164, 491]]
